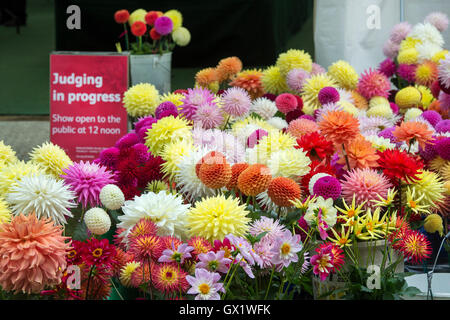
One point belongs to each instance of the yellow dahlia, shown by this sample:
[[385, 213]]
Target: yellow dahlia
[[344, 74], [166, 130], [408, 56], [175, 98], [5, 213], [141, 100], [411, 114], [273, 81], [239, 126], [439, 56], [274, 141], [312, 87], [172, 154], [137, 15], [377, 100], [176, 18], [434, 223], [7, 154], [427, 96], [52, 159], [293, 59], [11, 174], [215, 217], [426, 73], [127, 271], [381, 110], [360, 101], [409, 43], [430, 185], [289, 163], [407, 97]]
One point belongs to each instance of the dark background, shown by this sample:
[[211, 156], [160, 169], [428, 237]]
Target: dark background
[[254, 30]]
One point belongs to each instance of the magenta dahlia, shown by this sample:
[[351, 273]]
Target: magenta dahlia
[[373, 83]]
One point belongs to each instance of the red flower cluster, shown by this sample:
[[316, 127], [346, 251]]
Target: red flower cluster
[[399, 165], [316, 146]]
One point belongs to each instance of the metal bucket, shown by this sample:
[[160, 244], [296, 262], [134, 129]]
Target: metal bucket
[[151, 68]]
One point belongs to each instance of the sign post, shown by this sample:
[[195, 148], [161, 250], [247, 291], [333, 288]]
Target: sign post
[[86, 92]]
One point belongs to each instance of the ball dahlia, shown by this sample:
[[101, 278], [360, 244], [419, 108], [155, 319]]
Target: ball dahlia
[[228, 68], [254, 180], [283, 190], [312, 87], [286, 102], [97, 221], [236, 170], [21, 272]]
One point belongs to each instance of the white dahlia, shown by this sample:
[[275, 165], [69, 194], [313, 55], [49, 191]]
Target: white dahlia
[[264, 107], [289, 163], [44, 195], [167, 211], [112, 197], [426, 32], [97, 221], [278, 123]]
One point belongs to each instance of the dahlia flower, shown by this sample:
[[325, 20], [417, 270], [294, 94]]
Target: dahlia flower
[[213, 261], [167, 211], [236, 101], [344, 74], [193, 99], [250, 81], [426, 32], [176, 255], [292, 59], [360, 154], [111, 197], [215, 217], [400, 31], [296, 78], [285, 249], [21, 271], [208, 116], [387, 67], [172, 154], [282, 191], [373, 83], [415, 246], [264, 224], [227, 68], [430, 185], [327, 210], [289, 163], [339, 127], [98, 253], [44, 196], [263, 107], [7, 154], [312, 87], [169, 278], [97, 221], [51, 158], [315, 145], [444, 72], [141, 100], [87, 180], [398, 164], [205, 285], [322, 262], [301, 127], [254, 180], [273, 82]]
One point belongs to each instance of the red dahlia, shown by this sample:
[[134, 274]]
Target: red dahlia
[[315, 145], [399, 165]]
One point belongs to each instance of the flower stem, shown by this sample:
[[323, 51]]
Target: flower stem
[[88, 282], [346, 157], [231, 278], [140, 44], [226, 122], [270, 282], [151, 284], [126, 36]]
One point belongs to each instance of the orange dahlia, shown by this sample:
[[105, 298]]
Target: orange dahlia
[[360, 101], [236, 170], [413, 131], [250, 81], [339, 126], [210, 158], [361, 154], [282, 190], [426, 73], [254, 180], [214, 172], [33, 254], [228, 68], [206, 76], [300, 127]]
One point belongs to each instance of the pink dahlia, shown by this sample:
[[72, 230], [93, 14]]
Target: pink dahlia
[[407, 72], [296, 78], [365, 184], [108, 157], [373, 83], [236, 101], [87, 180], [438, 19], [285, 249], [165, 109], [164, 25], [193, 99], [144, 122], [432, 117], [327, 187], [264, 224], [128, 140], [400, 31], [208, 116], [387, 67], [214, 262], [286, 102], [444, 73], [317, 69], [323, 262], [390, 49]]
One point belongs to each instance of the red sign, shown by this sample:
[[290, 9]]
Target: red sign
[[86, 110]]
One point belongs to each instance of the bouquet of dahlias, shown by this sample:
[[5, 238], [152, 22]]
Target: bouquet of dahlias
[[156, 32]]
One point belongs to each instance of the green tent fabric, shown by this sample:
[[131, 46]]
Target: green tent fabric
[[255, 31]]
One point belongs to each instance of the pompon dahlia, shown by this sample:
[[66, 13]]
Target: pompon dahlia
[[51, 157], [373, 83], [141, 100], [344, 74], [301, 127], [215, 175], [399, 165], [254, 180], [413, 131], [167, 211], [387, 67], [206, 76], [166, 130], [292, 59], [328, 95], [283, 190], [228, 68], [443, 148], [286, 102], [415, 246], [360, 154], [168, 278], [21, 241], [111, 197], [7, 154], [312, 87], [364, 185], [236, 102], [263, 107], [44, 196], [87, 180], [215, 217], [127, 141], [236, 170], [97, 221], [430, 185], [250, 81], [339, 126], [165, 109], [296, 78], [315, 145], [327, 187], [273, 82]]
